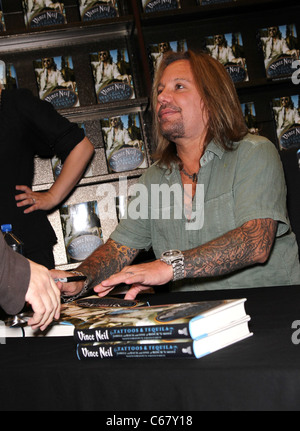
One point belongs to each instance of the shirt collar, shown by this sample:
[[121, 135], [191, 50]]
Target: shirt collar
[[210, 152]]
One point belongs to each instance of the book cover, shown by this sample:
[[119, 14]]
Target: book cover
[[160, 5], [280, 48], [2, 22], [168, 349], [56, 81], [158, 50], [71, 314], [41, 13], [172, 321], [228, 49], [81, 229], [124, 143], [91, 10], [286, 110], [249, 113], [112, 75]]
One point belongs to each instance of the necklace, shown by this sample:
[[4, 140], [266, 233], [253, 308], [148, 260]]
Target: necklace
[[193, 177]]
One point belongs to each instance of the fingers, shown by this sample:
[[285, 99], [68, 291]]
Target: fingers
[[44, 297], [135, 290], [66, 289], [28, 198]]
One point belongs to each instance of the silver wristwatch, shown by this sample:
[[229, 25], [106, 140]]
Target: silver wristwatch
[[176, 259]]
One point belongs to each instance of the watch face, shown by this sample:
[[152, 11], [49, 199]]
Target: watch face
[[171, 253]]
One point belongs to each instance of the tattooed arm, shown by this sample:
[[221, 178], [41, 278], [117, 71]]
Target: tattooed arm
[[106, 260], [244, 246]]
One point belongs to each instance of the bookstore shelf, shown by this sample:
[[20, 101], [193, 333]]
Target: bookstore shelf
[[138, 32]]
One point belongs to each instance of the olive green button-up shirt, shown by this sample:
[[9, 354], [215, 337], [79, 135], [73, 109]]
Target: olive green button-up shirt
[[233, 188]]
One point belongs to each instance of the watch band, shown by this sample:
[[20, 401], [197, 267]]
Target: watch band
[[178, 268], [176, 259], [66, 299]]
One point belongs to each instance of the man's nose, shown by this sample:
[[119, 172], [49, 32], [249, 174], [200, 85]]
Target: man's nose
[[164, 96]]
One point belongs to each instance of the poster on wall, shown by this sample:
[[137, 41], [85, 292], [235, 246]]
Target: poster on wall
[[280, 48], [160, 5], [56, 81], [2, 22], [91, 10], [158, 50], [42, 13], [81, 229], [286, 110], [112, 75], [228, 49], [124, 144]]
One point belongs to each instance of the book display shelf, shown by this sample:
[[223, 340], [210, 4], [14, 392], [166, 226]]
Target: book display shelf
[[134, 39]]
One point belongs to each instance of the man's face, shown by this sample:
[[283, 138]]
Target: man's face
[[272, 31], [114, 122], [285, 101], [103, 55], [47, 63], [179, 106], [219, 39]]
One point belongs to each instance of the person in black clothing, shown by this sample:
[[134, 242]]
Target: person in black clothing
[[30, 127]]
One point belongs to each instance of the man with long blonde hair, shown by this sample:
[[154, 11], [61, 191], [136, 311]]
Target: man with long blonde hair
[[234, 231]]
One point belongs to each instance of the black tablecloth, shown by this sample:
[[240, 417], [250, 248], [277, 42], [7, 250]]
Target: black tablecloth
[[259, 373]]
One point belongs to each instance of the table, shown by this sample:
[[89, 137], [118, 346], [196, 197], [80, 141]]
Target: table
[[259, 373]]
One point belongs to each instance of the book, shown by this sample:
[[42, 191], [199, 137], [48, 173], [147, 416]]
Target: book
[[112, 75], [172, 321], [91, 10], [124, 143], [41, 13], [2, 22], [56, 81], [287, 121], [280, 48], [72, 314], [228, 49], [81, 229], [188, 348], [160, 5]]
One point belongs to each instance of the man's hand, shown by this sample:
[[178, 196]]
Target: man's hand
[[44, 297], [141, 277], [66, 289]]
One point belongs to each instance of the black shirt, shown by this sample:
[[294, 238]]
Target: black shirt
[[29, 127]]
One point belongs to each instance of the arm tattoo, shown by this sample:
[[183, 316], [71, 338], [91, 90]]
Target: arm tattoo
[[247, 245], [108, 259]]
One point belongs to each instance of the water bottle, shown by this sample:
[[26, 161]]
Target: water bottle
[[11, 239]]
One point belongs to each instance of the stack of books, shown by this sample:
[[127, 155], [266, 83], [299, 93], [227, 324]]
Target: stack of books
[[117, 329]]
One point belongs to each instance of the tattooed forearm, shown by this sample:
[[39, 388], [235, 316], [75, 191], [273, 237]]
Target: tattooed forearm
[[107, 260], [244, 246]]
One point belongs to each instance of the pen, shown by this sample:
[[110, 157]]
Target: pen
[[70, 279]]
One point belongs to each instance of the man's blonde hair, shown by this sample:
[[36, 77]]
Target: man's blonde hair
[[226, 123]]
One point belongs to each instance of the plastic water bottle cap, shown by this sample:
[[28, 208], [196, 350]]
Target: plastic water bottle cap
[[6, 228]]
